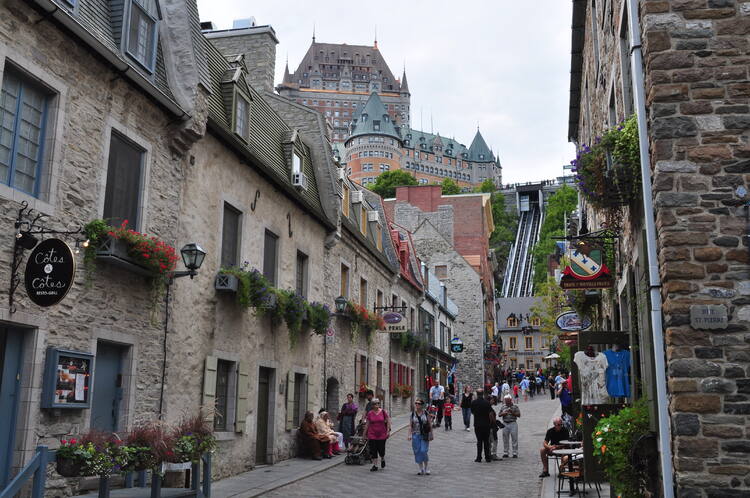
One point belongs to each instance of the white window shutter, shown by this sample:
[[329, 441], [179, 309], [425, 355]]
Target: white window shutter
[[209, 388], [243, 377], [289, 401]]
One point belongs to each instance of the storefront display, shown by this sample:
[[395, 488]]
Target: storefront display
[[592, 369], [618, 372], [68, 379]]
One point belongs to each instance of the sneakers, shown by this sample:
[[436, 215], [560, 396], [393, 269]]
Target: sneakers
[[374, 468], [467, 429], [382, 464], [505, 455], [544, 474], [427, 472]]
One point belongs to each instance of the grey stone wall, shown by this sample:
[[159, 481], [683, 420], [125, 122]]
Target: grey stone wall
[[258, 45]]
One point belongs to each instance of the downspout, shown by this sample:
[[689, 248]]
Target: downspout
[[662, 402]]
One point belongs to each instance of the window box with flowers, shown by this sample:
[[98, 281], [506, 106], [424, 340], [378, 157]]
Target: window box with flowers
[[608, 171], [361, 319]]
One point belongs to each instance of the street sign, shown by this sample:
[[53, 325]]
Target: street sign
[[394, 323], [50, 270], [330, 335], [457, 345], [570, 321]]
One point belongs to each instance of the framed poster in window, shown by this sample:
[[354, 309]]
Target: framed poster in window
[[68, 377]]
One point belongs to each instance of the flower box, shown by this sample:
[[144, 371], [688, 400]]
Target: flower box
[[115, 251], [226, 282], [67, 467]]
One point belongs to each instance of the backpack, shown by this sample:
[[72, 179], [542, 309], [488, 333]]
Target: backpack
[[425, 429]]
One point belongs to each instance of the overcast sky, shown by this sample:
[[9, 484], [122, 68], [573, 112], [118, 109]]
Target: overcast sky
[[500, 64]]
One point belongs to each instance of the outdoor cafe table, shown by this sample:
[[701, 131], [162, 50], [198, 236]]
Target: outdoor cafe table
[[571, 443], [570, 453]]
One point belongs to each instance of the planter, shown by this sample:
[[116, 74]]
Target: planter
[[115, 252], [619, 187], [224, 282], [68, 468]]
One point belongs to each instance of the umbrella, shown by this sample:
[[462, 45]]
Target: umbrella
[[552, 356]]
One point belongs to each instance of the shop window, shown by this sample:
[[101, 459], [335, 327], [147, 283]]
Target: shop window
[[230, 236], [122, 194]]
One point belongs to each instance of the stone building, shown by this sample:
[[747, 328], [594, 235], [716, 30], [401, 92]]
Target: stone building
[[523, 344], [696, 118], [376, 143], [336, 79], [456, 253]]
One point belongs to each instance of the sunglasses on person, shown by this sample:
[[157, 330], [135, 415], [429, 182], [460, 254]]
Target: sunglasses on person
[[418, 403]]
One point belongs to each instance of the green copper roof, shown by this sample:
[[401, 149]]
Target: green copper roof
[[479, 151], [373, 119]]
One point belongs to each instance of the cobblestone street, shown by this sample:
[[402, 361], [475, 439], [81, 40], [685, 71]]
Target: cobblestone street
[[454, 472]]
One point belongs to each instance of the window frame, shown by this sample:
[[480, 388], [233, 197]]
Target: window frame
[[274, 280], [128, 139], [344, 276], [127, 19], [238, 245], [240, 96], [528, 343], [303, 284], [230, 394], [345, 200], [363, 290], [513, 343]]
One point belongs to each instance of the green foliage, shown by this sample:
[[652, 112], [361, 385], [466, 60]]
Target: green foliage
[[613, 440], [487, 186], [506, 224], [608, 171], [450, 187], [386, 183], [294, 311], [551, 302], [318, 317], [566, 356], [559, 207]]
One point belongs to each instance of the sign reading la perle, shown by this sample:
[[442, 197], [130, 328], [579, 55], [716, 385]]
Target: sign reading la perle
[[49, 274], [394, 323], [587, 268]]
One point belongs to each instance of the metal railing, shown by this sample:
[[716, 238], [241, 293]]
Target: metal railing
[[36, 469]]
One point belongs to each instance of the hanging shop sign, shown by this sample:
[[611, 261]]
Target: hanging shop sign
[[394, 323], [587, 268], [68, 377], [457, 345], [570, 321], [50, 270]]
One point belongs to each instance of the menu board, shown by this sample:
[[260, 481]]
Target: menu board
[[68, 379]]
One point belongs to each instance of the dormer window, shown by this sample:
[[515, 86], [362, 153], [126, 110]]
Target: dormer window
[[296, 163], [481, 156], [512, 321], [379, 236], [376, 125], [141, 32], [241, 124], [364, 118]]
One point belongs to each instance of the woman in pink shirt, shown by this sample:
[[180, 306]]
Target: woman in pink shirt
[[377, 429]]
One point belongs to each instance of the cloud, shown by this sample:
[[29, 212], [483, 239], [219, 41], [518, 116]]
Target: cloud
[[501, 64]]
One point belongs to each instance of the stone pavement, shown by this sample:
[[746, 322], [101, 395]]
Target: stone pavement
[[454, 473]]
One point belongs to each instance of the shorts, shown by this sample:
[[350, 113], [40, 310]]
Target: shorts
[[377, 447]]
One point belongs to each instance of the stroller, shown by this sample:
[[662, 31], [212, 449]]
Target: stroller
[[357, 451]]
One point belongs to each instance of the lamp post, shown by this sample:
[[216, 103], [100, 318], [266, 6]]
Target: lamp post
[[192, 257]]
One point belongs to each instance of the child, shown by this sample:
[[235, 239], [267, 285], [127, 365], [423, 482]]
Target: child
[[432, 413], [447, 414], [515, 391]]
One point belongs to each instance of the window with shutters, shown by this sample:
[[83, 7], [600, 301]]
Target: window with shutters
[[363, 292], [230, 236], [529, 343], [344, 287], [123, 191], [379, 301], [270, 249], [512, 343], [300, 276], [224, 371], [23, 120]]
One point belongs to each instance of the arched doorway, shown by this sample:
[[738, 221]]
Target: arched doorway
[[332, 397]]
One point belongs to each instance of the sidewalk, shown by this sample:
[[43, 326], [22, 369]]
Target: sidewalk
[[265, 478]]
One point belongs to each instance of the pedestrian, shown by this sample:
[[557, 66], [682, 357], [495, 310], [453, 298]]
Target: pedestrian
[[448, 414], [525, 389], [515, 391], [466, 399], [437, 398], [369, 395], [495, 427], [378, 430], [539, 384], [566, 400], [346, 418], [505, 390], [496, 389], [420, 435], [481, 409], [509, 414], [552, 439], [551, 384]]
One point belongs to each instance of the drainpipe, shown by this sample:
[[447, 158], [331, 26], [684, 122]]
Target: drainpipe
[[662, 402]]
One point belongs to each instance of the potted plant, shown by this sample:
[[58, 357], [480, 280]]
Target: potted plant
[[145, 447], [318, 317], [94, 453], [192, 437], [406, 391], [396, 390]]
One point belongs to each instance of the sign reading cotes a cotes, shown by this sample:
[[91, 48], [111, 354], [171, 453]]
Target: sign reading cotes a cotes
[[49, 274]]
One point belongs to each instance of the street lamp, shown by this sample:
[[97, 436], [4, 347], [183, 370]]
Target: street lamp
[[340, 303], [192, 256]]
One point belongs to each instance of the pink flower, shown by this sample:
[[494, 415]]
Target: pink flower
[[73, 441], [64, 441]]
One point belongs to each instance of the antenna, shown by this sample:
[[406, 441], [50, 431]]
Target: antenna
[[376, 36], [431, 132], [313, 31]]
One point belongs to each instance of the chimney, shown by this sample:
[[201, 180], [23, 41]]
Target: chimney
[[256, 43]]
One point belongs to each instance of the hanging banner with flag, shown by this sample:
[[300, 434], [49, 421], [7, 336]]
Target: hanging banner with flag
[[586, 268]]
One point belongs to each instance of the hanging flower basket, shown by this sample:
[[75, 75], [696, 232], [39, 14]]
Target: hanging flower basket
[[68, 467]]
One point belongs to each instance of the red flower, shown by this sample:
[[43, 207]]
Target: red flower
[[73, 441], [64, 441]]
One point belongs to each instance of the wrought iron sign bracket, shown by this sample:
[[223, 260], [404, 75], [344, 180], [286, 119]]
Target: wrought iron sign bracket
[[28, 224], [400, 309]]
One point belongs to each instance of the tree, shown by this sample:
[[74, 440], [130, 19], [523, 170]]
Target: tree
[[487, 187], [450, 187], [559, 207], [386, 183]]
